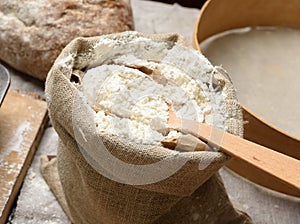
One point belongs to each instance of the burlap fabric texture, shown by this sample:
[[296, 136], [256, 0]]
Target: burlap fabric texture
[[90, 188]]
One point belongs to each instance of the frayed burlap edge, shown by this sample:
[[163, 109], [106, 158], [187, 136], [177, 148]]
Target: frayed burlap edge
[[51, 176]]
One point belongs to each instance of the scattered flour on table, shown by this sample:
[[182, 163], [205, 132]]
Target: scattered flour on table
[[15, 143]]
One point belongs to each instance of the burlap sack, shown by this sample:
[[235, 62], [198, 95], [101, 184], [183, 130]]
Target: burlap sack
[[94, 191]]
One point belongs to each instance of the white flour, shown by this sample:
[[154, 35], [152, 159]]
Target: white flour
[[130, 89]]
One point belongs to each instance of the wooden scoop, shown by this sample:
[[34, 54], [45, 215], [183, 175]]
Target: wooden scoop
[[284, 168]]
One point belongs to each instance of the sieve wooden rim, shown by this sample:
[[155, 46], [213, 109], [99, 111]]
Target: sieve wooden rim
[[217, 16]]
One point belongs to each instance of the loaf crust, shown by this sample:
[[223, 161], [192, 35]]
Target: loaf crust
[[33, 32]]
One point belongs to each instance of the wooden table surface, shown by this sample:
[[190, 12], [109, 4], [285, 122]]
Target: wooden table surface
[[36, 204]]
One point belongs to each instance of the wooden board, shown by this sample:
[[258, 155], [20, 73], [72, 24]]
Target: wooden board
[[22, 121]]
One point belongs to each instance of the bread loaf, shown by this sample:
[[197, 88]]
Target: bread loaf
[[32, 33]]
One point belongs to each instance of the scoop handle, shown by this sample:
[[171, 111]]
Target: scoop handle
[[283, 168]]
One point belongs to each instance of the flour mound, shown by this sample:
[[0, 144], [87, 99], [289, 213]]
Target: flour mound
[[131, 85]]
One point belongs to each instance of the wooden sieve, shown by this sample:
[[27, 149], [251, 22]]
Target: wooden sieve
[[217, 16]]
